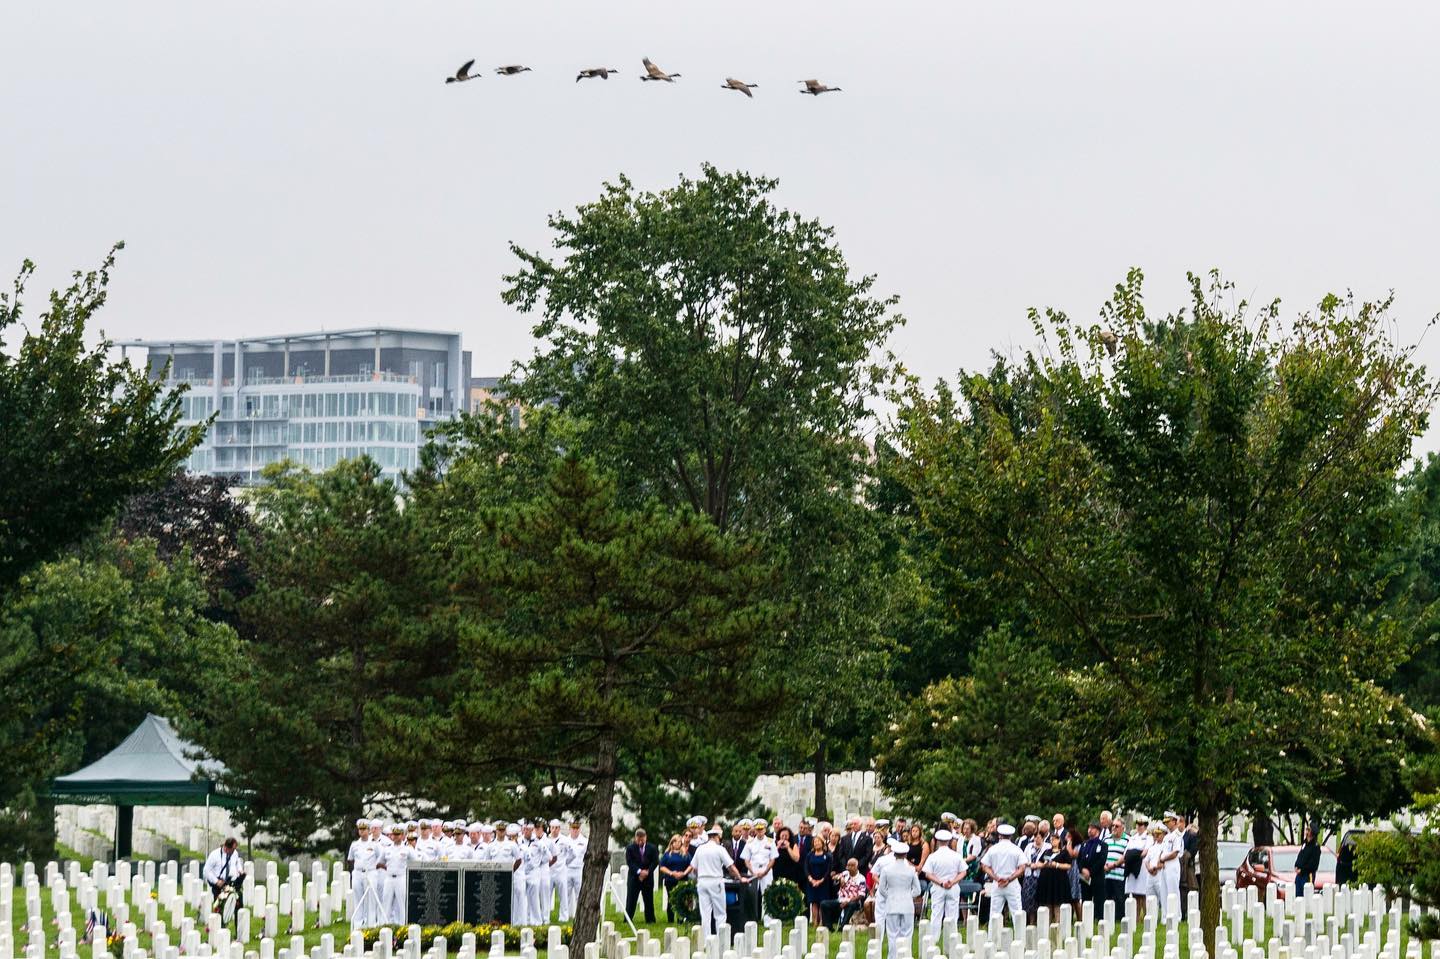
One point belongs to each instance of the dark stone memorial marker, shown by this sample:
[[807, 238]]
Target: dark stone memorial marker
[[486, 892], [439, 893], [432, 893]]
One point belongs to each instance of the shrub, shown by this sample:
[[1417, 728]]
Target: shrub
[[454, 931], [1427, 926], [1389, 860]]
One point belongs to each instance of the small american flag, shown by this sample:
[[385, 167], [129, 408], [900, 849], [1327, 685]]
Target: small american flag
[[96, 918]]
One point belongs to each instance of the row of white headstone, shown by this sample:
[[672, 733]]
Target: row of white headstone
[[171, 906]]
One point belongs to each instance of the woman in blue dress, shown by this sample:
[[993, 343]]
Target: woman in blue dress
[[819, 881], [674, 869]]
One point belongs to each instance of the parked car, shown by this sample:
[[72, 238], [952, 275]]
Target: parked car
[[1264, 865], [1231, 855]]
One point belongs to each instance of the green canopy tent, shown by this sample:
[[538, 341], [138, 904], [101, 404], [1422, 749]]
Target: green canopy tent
[[152, 767]]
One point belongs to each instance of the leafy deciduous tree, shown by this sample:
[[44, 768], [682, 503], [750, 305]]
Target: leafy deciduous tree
[[714, 351], [1197, 520], [78, 433], [93, 641]]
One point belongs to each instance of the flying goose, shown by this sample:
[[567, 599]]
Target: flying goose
[[732, 84], [590, 73], [511, 70], [463, 73], [652, 72], [815, 88]]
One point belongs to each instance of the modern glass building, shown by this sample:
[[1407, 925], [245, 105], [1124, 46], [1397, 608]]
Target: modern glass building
[[313, 398]]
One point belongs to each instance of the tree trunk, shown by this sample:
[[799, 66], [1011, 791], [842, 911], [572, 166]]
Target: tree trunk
[[1209, 874], [821, 812], [597, 853], [1263, 829]]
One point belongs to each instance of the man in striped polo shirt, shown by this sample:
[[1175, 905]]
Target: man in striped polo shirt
[[1115, 865]]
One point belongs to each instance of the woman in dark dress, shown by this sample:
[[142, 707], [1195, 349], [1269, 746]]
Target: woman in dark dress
[[674, 868], [1053, 889], [787, 858], [819, 885], [919, 852]]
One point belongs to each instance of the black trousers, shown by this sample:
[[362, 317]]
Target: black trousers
[[1098, 893], [643, 891], [1115, 889]]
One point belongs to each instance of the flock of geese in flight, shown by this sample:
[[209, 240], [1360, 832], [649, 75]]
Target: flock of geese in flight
[[652, 72]]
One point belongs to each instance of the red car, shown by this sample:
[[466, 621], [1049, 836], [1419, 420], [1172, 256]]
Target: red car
[[1264, 865]]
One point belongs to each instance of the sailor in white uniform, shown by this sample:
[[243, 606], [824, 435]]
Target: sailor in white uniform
[[1174, 842], [511, 850], [363, 855], [537, 868], [945, 867], [759, 855], [573, 862], [1138, 884], [897, 886], [393, 862], [711, 864], [1004, 864]]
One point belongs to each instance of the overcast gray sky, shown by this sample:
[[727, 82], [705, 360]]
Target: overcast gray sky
[[290, 165]]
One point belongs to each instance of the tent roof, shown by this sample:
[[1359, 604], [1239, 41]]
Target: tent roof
[[152, 767]]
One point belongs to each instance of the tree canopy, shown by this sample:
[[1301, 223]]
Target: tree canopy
[[588, 630], [92, 642], [79, 432], [1194, 523], [336, 654], [715, 352]]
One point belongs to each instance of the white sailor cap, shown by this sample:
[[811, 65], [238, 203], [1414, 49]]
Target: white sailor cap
[[1169, 814], [487, 828], [899, 848], [944, 835], [1005, 829], [512, 830], [1141, 817], [716, 831], [377, 822], [362, 823], [949, 817], [458, 824], [743, 823], [692, 821], [475, 827], [411, 824], [1032, 818], [554, 822], [881, 823], [394, 827]]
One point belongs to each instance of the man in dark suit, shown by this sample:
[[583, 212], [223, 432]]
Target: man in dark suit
[[735, 845], [856, 845], [641, 858]]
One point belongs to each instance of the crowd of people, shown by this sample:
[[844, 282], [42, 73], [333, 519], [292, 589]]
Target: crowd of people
[[870, 872], [545, 861], [890, 875]]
